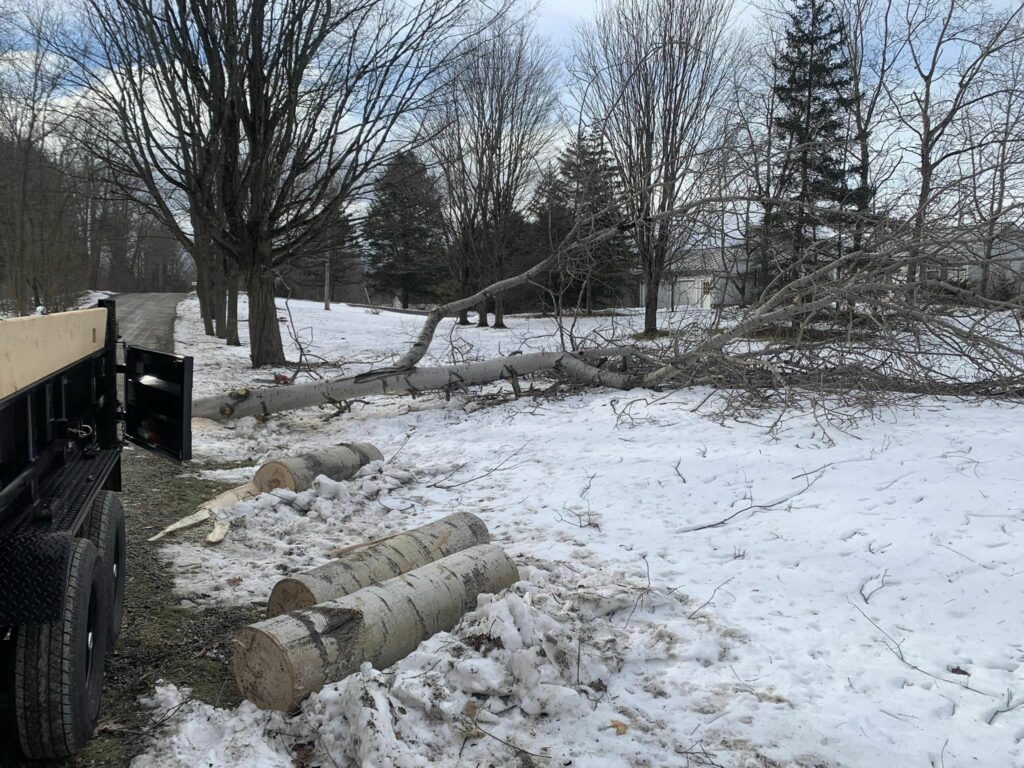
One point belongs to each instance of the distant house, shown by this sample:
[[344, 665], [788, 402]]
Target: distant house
[[706, 277], [1005, 262]]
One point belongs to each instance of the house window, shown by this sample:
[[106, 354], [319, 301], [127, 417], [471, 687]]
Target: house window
[[706, 288]]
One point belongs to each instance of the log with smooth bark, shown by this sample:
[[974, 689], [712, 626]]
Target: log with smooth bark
[[297, 473], [377, 561], [265, 401], [280, 661]]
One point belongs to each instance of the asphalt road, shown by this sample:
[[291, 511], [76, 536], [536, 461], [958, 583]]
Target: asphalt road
[[147, 319]]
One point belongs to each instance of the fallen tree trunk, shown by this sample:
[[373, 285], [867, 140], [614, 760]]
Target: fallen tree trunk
[[297, 473], [280, 661], [263, 402], [377, 561]]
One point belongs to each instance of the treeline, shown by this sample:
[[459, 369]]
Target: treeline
[[65, 224], [418, 247], [63, 231], [816, 156]]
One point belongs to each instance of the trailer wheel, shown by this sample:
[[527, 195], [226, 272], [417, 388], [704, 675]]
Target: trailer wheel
[[58, 667], [104, 527]]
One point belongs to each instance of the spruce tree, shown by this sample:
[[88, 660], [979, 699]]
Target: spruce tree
[[581, 191], [814, 96], [402, 231]]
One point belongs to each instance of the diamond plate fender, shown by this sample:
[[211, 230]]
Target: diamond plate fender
[[33, 569]]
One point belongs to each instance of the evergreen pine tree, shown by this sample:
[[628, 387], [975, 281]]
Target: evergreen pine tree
[[814, 97], [402, 231], [581, 192]]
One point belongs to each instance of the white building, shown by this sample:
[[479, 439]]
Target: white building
[[706, 277]]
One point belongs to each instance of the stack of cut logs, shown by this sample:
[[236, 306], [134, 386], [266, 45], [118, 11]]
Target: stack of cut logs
[[373, 602]]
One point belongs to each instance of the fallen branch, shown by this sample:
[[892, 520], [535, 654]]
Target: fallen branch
[[265, 401]]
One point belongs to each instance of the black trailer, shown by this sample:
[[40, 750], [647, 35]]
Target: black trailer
[[62, 529]]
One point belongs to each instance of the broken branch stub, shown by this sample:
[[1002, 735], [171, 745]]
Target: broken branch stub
[[377, 561], [297, 473], [280, 661]]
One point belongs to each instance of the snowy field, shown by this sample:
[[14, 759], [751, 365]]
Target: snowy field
[[692, 593]]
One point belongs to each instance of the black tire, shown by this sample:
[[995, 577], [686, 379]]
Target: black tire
[[58, 667], [104, 527]]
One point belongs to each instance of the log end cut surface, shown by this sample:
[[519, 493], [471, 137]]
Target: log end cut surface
[[272, 475], [289, 595], [262, 671]]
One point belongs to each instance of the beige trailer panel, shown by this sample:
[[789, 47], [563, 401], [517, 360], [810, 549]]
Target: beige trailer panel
[[32, 348]]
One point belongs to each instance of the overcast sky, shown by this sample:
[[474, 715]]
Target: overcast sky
[[558, 18]]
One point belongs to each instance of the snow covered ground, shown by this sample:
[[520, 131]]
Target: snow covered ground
[[692, 593]]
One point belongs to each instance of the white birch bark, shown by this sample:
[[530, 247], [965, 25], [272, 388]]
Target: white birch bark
[[280, 661], [377, 561], [262, 402], [297, 473]]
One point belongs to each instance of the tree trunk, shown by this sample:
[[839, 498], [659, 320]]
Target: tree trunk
[[377, 561], [260, 402], [482, 314], [264, 331], [219, 296], [464, 317], [651, 304], [327, 282], [280, 661], [203, 291], [297, 473], [499, 312], [404, 297], [232, 321]]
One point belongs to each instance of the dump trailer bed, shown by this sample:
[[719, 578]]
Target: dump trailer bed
[[62, 537]]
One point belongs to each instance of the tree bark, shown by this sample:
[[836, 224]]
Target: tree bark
[[219, 296], [651, 303], [499, 312], [203, 288], [377, 561], [297, 473], [265, 346], [327, 282], [262, 402], [231, 335], [280, 661]]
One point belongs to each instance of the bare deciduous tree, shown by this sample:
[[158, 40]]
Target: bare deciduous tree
[[651, 77], [488, 141], [262, 119], [993, 171], [946, 49]]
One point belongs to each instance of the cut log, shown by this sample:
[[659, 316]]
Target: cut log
[[297, 473], [261, 402], [377, 561], [280, 661]]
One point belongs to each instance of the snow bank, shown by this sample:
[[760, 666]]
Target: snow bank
[[564, 667], [863, 598]]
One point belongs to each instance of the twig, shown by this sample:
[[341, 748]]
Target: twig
[[707, 602], [497, 468], [751, 508], [510, 745], [867, 597]]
